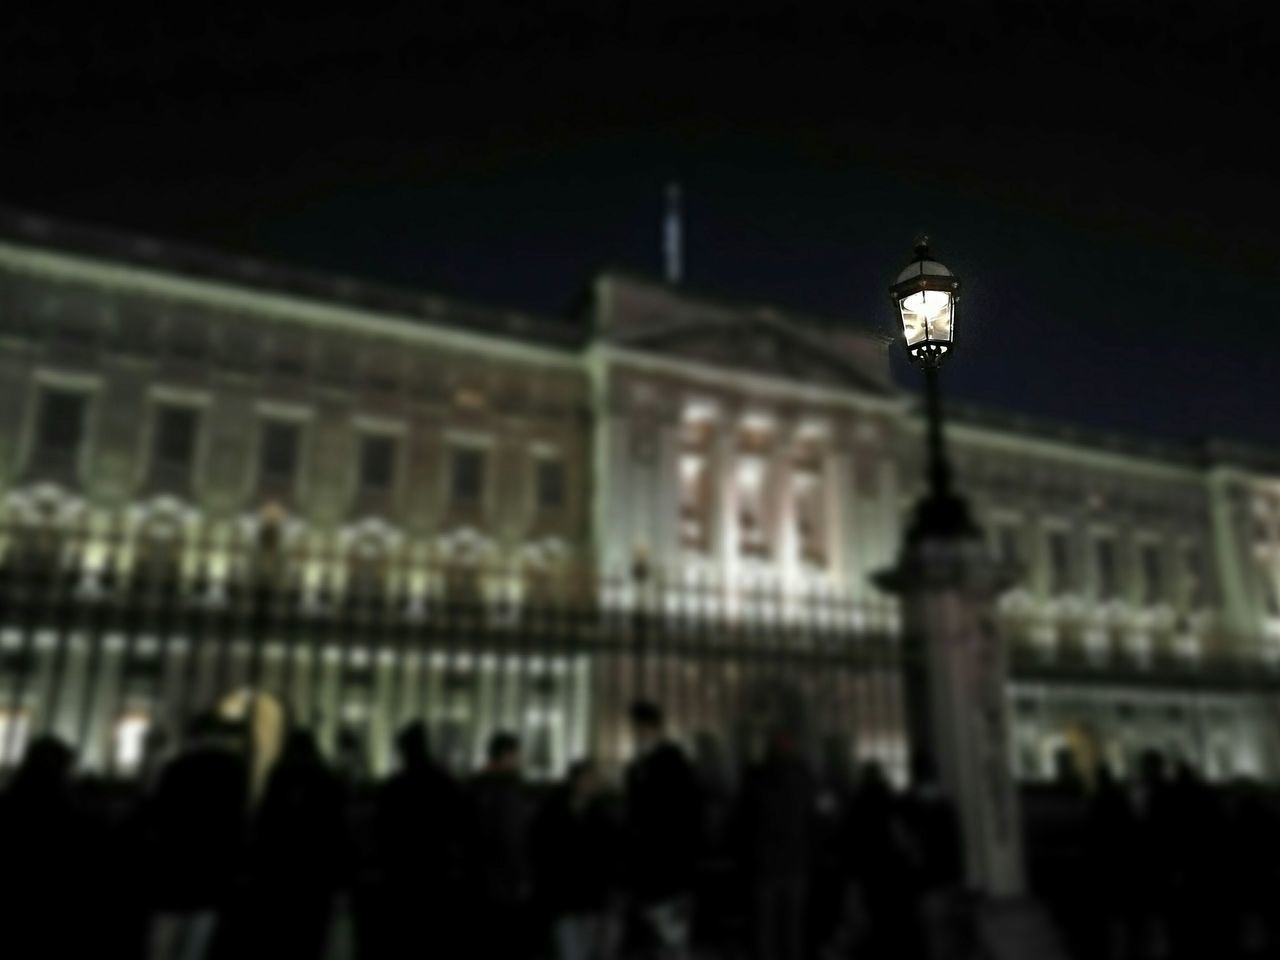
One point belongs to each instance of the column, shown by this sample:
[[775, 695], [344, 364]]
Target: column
[[16, 394], [723, 467], [839, 501], [1232, 562], [958, 720], [119, 411], [223, 479], [665, 519], [958, 724], [780, 504], [614, 475]]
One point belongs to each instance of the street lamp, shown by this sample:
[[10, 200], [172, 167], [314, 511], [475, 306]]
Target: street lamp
[[926, 294]]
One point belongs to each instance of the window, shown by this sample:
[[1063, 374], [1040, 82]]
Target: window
[[466, 484], [60, 423], [811, 525], [550, 483], [751, 521], [1152, 573], [173, 440], [131, 740], [697, 432], [1060, 572], [695, 501], [278, 449], [1105, 567], [1193, 570], [1008, 543], [15, 728], [377, 462]]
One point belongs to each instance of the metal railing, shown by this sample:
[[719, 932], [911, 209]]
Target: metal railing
[[116, 658]]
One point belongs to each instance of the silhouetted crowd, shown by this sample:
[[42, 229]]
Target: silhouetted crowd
[[320, 862], [1166, 865]]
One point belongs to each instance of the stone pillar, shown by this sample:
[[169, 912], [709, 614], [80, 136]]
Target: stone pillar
[[1231, 562], [724, 464], [958, 725], [780, 507], [957, 710]]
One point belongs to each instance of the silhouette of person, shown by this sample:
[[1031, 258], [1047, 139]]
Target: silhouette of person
[[1252, 849], [195, 823], [45, 839], [1111, 853], [1156, 841], [1198, 909], [831, 894], [1067, 779], [778, 807], [422, 827], [350, 761], [933, 847], [301, 852], [664, 833], [885, 860], [502, 813], [574, 847]]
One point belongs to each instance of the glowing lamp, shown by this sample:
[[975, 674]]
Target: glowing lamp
[[926, 293]]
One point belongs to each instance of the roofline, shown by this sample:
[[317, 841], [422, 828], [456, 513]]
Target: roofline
[[1195, 456], [737, 304], [254, 275]]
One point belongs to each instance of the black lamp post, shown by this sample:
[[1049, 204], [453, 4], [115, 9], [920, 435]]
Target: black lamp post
[[926, 294], [640, 624]]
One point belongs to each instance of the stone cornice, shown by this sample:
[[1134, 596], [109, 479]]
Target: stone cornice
[[36, 246]]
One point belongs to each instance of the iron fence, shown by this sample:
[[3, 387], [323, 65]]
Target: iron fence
[[115, 658]]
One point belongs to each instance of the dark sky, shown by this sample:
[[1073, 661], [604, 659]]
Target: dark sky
[[1102, 175]]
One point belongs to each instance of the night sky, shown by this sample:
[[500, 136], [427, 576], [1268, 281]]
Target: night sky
[[1101, 175]]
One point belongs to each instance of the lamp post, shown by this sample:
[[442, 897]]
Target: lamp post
[[954, 665], [640, 624], [926, 295]]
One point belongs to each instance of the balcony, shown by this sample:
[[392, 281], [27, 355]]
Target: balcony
[[1163, 668]]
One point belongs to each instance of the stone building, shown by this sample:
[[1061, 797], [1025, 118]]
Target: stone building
[[183, 428]]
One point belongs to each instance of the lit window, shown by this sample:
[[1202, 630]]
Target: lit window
[[751, 520], [278, 450], [697, 432], [131, 740], [60, 422], [377, 462], [15, 728], [467, 475], [550, 483], [173, 441], [695, 490], [810, 515]]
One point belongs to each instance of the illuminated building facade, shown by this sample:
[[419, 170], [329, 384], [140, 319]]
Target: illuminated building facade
[[205, 425]]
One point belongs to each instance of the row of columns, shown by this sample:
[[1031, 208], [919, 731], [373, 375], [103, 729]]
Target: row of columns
[[639, 481]]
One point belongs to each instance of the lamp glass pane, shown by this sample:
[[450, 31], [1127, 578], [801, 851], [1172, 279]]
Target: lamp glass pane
[[926, 315]]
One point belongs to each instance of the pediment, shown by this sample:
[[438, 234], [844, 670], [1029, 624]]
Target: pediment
[[764, 345]]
